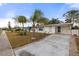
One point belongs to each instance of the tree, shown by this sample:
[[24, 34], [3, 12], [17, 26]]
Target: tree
[[9, 26], [71, 15], [36, 16], [54, 21], [43, 20], [21, 20], [68, 21]]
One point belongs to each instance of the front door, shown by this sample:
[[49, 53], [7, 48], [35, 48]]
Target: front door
[[59, 29]]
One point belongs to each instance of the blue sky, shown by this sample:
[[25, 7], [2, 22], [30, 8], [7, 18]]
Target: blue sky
[[50, 10]]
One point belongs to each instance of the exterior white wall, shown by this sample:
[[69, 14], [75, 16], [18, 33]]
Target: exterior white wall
[[46, 29], [49, 29], [66, 30], [53, 30]]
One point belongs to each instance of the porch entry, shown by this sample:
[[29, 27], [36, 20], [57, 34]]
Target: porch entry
[[58, 29]]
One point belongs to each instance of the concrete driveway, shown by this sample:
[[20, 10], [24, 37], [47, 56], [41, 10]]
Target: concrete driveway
[[5, 47], [53, 45]]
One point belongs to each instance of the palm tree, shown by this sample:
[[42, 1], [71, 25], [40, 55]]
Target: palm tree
[[43, 20], [36, 16], [21, 20], [71, 15]]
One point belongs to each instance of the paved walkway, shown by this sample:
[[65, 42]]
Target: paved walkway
[[5, 47], [53, 45]]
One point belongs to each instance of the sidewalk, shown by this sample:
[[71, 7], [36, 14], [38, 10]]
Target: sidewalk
[[5, 47]]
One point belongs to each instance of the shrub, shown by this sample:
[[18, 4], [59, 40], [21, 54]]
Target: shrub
[[18, 29], [22, 33], [4, 29], [74, 34]]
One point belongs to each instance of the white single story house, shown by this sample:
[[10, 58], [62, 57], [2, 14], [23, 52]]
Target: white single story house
[[62, 28]]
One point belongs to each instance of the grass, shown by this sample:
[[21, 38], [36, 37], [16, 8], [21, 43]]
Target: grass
[[18, 41]]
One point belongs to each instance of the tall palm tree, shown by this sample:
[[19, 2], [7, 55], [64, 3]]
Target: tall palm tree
[[71, 15], [36, 16], [21, 20]]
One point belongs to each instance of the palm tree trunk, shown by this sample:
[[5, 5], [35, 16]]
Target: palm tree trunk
[[33, 31], [33, 27], [23, 28], [20, 27]]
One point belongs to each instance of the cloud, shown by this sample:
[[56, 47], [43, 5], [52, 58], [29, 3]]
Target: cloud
[[4, 22], [1, 4], [73, 5], [10, 14]]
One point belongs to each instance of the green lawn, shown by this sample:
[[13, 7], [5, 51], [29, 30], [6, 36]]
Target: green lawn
[[18, 41]]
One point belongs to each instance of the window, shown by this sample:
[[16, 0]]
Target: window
[[40, 29]]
